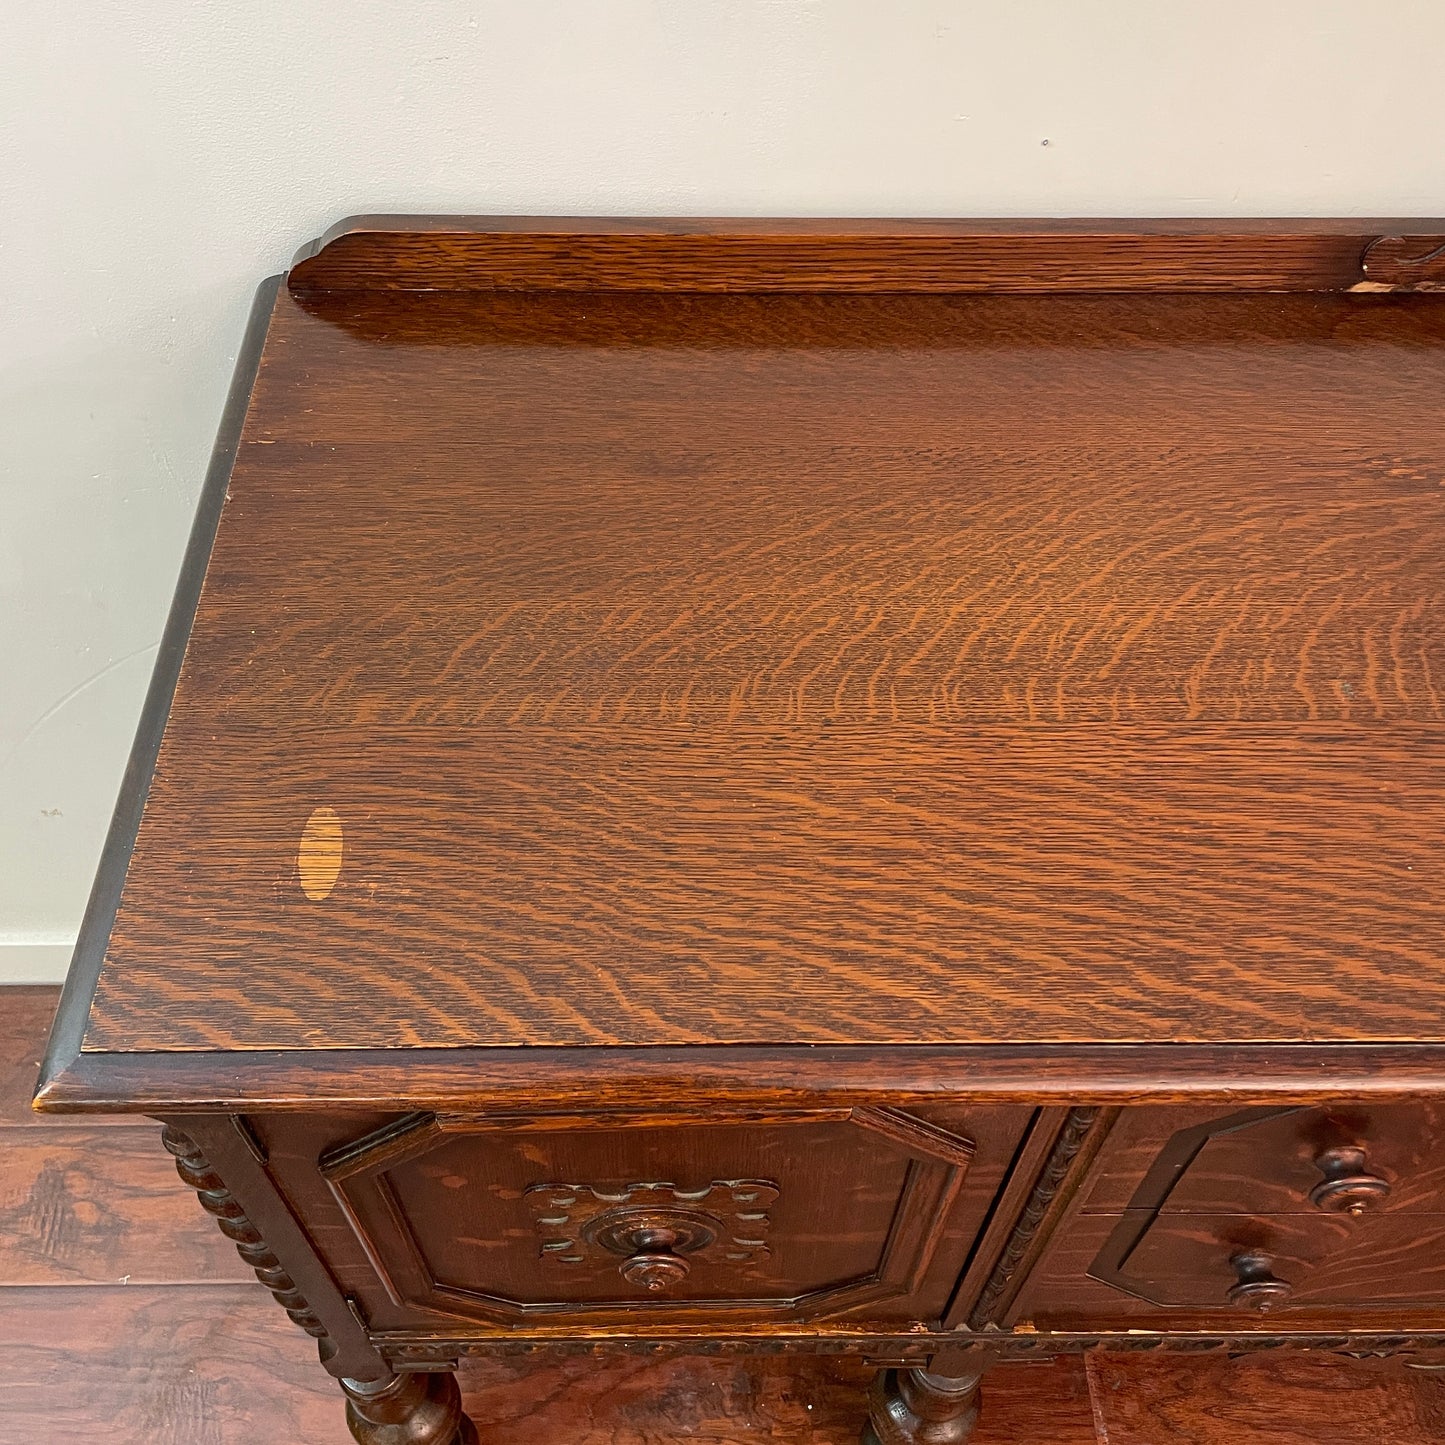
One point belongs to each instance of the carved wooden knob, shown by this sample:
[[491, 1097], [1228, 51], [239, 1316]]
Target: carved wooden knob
[[1348, 1186], [1257, 1286], [654, 1271], [655, 1266]]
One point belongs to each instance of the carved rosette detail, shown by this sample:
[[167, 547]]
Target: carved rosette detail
[[1056, 1167], [725, 1221], [195, 1169]]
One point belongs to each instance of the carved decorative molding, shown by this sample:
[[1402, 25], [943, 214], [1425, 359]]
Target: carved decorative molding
[[195, 1169], [901, 1350], [655, 1228], [1051, 1177]]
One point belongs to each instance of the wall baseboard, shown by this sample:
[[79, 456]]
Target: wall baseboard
[[34, 962]]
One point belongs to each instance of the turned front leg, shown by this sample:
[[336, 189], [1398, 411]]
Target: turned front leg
[[414, 1409], [923, 1406]]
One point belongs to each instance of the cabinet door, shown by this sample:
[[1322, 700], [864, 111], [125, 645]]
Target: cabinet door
[[780, 1216]]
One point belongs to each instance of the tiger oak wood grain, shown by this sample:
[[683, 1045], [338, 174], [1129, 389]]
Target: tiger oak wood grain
[[737, 888], [804, 668]]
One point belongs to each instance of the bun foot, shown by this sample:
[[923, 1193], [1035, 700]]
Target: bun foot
[[416, 1409], [914, 1407]]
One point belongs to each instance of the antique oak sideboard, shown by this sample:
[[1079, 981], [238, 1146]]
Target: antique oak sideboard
[[858, 787]]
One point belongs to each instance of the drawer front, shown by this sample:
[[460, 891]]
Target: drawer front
[[1243, 1264], [782, 1216], [1340, 1159]]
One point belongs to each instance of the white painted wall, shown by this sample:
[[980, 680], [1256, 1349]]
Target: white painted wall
[[157, 159]]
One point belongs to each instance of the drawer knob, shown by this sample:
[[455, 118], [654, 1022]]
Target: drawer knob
[[1348, 1186], [653, 1272], [654, 1267], [1257, 1286]]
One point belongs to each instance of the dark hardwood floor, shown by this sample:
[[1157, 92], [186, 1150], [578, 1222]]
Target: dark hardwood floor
[[125, 1317]]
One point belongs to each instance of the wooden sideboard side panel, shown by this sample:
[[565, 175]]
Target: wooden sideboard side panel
[[230, 1149]]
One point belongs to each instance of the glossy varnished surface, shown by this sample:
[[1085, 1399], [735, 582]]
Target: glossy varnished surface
[[772, 669]]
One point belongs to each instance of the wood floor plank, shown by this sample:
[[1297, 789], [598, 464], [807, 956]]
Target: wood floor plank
[[1263, 1400], [81, 1205], [160, 1366], [222, 1366], [25, 1016], [736, 1401]]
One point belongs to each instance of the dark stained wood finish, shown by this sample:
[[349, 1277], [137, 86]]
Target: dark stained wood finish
[[1379, 1273], [222, 1160], [408, 1410], [920, 1407], [220, 1203], [463, 1080], [1406, 261], [672, 757], [416, 253], [1328, 1261], [1148, 1241], [1077, 1140]]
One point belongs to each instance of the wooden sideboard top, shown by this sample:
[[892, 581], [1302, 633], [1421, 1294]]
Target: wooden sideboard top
[[720, 664]]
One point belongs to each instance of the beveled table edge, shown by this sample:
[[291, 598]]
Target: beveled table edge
[[68, 1032], [530, 1080]]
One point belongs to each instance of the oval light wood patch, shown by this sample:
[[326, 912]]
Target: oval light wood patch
[[318, 859]]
